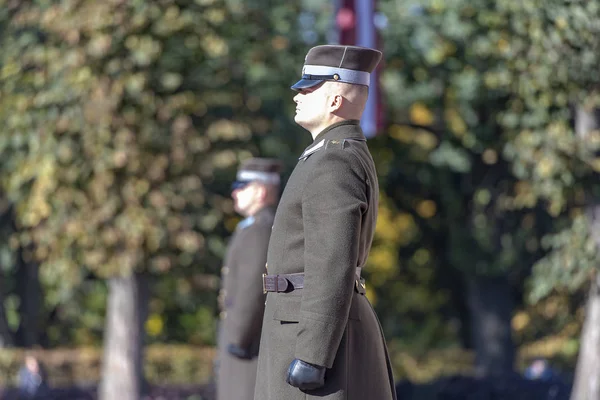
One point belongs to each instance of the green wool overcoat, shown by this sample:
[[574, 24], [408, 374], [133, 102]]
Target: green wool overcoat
[[242, 305], [324, 227]]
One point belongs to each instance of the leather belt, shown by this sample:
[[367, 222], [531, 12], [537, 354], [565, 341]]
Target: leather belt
[[284, 283]]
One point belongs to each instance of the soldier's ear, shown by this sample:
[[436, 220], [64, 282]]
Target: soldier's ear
[[335, 102], [261, 192]]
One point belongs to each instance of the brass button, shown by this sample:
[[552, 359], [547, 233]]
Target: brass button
[[336, 77]]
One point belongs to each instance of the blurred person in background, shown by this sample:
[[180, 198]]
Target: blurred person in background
[[32, 379], [241, 298], [539, 369]]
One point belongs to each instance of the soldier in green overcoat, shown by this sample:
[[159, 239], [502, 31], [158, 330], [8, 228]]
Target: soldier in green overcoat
[[241, 298], [321, 338]]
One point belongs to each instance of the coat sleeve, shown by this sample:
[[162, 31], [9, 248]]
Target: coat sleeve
[[246, 314], [333, 204]]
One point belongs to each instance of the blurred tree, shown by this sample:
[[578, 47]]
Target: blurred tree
[[124, 125], [555, 145], [446, 116], [479, 94]]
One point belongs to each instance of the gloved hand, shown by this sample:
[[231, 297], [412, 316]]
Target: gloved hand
[[239, 352], [305, 376]]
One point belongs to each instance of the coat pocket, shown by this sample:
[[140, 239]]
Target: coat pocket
[[288, 308]]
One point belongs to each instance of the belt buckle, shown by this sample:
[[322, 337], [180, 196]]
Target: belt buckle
[[359, 284], [263, 282]]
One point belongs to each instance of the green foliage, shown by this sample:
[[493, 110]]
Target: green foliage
[[124, 122], [483, 91], [123, 126], [572, 261], [119, 121], [403, 287]]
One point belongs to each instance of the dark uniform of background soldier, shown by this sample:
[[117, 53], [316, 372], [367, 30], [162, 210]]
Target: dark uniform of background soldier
[[321, 339], [255, 194]]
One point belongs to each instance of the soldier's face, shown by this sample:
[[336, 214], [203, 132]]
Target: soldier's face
[[311, 107], [244, 199]]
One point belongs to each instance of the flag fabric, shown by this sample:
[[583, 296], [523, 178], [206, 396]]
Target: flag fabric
[[355, 21]]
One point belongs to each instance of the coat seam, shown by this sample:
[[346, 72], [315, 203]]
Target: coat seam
[[347, 359]]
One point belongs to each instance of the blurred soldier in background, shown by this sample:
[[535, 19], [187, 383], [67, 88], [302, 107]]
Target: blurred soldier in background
[[241, 298]]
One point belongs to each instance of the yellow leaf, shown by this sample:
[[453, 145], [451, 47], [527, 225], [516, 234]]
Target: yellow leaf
[[421, 115], [401, 133], [520, 321], [427, 208], [545, 167], [455, 122], [425, 139], [154, 325]]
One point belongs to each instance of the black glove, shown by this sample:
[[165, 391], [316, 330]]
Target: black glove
[[239, 352], [305, 376]]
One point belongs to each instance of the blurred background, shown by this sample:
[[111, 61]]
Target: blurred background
[[124, 122]]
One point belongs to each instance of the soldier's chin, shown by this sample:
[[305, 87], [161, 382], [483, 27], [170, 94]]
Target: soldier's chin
[[299, 120]]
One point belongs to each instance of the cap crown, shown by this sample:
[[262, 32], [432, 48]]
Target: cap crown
[[347, 57]]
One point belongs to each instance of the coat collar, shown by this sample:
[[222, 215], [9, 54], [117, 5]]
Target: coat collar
[[260, 214], [349, 129]]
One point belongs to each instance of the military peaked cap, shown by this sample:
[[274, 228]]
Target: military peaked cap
[[348, 64], [265, 170]]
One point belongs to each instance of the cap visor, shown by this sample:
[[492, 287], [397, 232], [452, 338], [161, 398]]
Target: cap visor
[[305, 83], [238, 185]]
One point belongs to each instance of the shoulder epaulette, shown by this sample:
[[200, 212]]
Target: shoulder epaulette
[[340, 143], [328, 144], [335, 144]]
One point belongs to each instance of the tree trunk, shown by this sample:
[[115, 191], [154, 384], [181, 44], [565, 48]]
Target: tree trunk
[[30, 295], [122, 369], [6, 335], [491, 307], [587, 380]]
